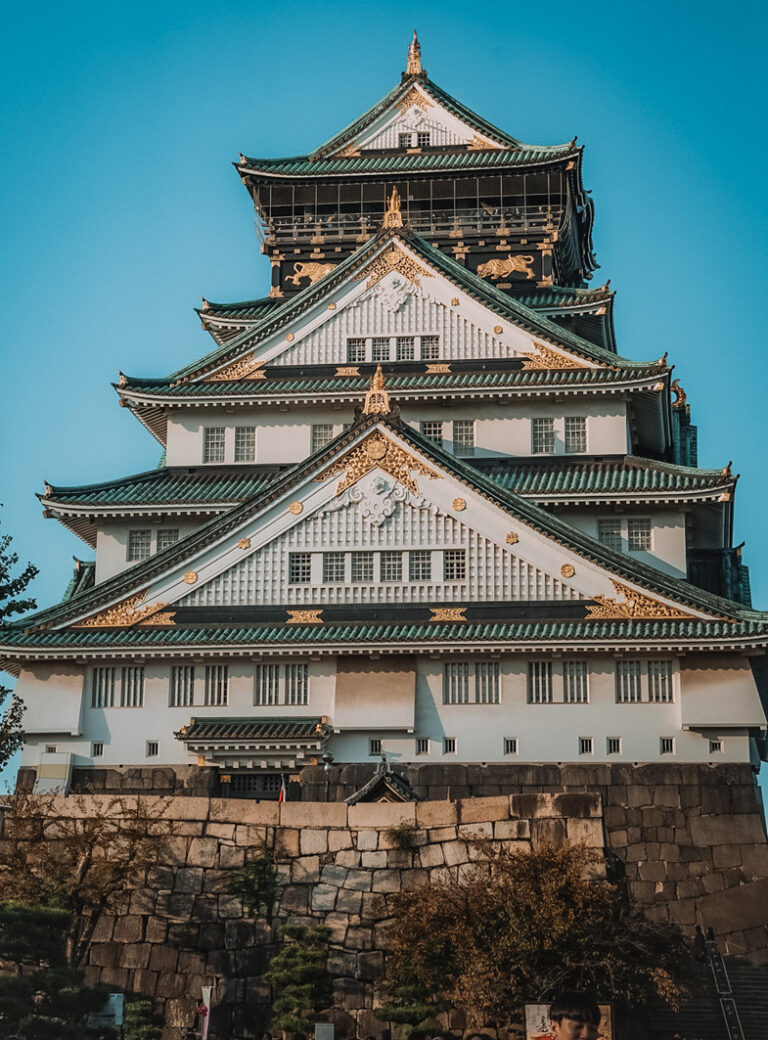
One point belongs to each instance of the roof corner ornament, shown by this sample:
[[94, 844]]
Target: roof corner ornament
[[393, 217], [413, 68], [680, 395], [377, 398]]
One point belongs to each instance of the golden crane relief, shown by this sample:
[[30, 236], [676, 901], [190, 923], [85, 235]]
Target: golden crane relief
[[550, 360], [393, 259], [393, 217], [245, 368], [378, 451], [635, 606], [499, 267], [413, 68], [129, 612], [377, 398], [314, 272]]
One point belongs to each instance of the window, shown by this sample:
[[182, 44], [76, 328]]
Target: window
[[456, 683], [454, 565], [362, 566], [543, 436], [433, 431], [575, 682], [167, 538], [660, 682], [467, 683], [153, 748], [715, 747], [404, 140], [575, 434], [50, 749], [430, 348], [449, 745], [510, 745], [392, 566], [613, 745], [666, 745], [609, 533], [213, 444], [297, 684], [639, 534], [266, 684], [139, 545], [380, 349], [628, 682], [422, 139], [322, 434], [539, 682], [464, 437], [299, 568], [487, 682], [182, 692], [216, 685], [97, 749], [404, 348], [245, 443], [281, 684], [374, 746], [585, 745], [333, 566], [355, 351], [132, 687], [103, 688], [422, 745], [419, 565]]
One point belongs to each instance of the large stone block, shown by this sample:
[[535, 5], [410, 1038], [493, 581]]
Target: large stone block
[[313, 814], [454, 852], [754, 861], [339, 840], [370, 965], [349, 858], [244, 811], [324, 897], [231, 857], [145, 983], [342, 964], [313, 841], [549, 831], [157, 930], [474, 831], [349, 902], [348, 993], [163, 958], [129, 928], [295, 899], [202, 852], [358, 880], [483, 810], [587, 832], [381, 814], [286, 843], [373, 860], [189, 880], [338, 925], [436, 814], [744, 828], [386, 881], [305, 869], [431, 856]]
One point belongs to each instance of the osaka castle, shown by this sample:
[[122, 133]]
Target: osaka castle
[[415, 513]]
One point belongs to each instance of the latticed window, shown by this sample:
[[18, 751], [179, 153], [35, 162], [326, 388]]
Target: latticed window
[[666, 745], [585, 745], [464, 437], [266, 684], [449, 745], [333, 566], [510, 745], [182, 691], [575, 434], [167, 538], [139, 545], [456, 682], [419, 565], [660, 682], [433, 431], [322, 434], [362, 566], [454, 565], [422, 745], [543, 441], [628, 682], [153, 748], [355, 351], [422, 139], [430, 348], [97, 749], [213, 444], [404, 348], [404, 140], [613, 745], [132, 687], [391, 566], [296, 683], [380, 349], [715, 746], [245, 443], [575, 682], [539, 682], [299, 568], [639, 533], [216, 685], [609, 533], [103, 688], [374, 746], [487, 682]]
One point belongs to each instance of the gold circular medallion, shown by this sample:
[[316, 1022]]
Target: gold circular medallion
[[190, 577], [331, 306], [459, 505], [289, 337], [295, 508], [498, 330], [376, 448], [511, 538], [567, 570], [244, 543]]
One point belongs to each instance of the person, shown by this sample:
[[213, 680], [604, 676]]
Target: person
[[573, 1016]]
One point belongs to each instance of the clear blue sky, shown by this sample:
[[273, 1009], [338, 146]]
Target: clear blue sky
[[120, 208]]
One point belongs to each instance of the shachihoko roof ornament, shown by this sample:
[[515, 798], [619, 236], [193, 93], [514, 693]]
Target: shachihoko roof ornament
[[377, 398], [393, 217], [413, 67]]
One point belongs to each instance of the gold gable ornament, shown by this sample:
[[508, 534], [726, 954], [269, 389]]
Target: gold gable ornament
[[393, 217], [393, 259], [247, 367], [377, 398], [414, 67], [635, 606], [131, 611], [549, 360], [377, 451]]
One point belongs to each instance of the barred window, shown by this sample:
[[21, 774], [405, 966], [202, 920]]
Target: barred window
[[715, 746], [666, 745], [139, 545], [50, 749], [97, 749], [333, 566], [419, 565], [380, 349], [167, 538], [132, 687], [404, 140], [613, 745], [103, 688], [609, 533], [639, 534], [449, 745], [213, 444], [297, 684], [404, 348], [355, 351], [575, 434], [216, 685], [362, 566], [660, 682], [543, 436], [464, 437], [628, 675], [422, 745], [456, 682], [510, 745], [539, 682], [454, 565], [585, 745], [422, 139], [433, 431], [322, 434], [299, 568], [487, 682], [430, 348], [153, 748], [182, 691], [392, 566], [245, 443], [575, 682], [266, 684], [374, 746]]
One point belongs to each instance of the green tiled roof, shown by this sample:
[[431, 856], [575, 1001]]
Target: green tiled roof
[[248, 310], [82, 579], [254, 729], [166, 487]]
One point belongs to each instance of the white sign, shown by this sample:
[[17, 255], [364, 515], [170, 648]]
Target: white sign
[[111, 1014]]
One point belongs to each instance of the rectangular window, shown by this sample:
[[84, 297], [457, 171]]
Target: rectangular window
[[392, 566], [297, 684], [660, 682], [715, 747], [422, 139], [510, 745], [266, 684], [543, 442], [575, 682], [216, 685], [404, 140], [380, 349], [322, 434], [539, 682], [613, 745], [374, 746], [575, 434], [333, 566], [666, 745], [299, 568], [132, 687], [464, 437], [628, 682], [449, 745], [585, 745], [487, 682], [103, 688], [97, 750], [50, 749], [182, 692], [422, 745], [454, 565], [362, 567], [609, 533], [245, 443], [405, 350], [639, 534], [213, 444], [430, 348], [355, 351], [419, 565], [456, 683], [167, 538], [153, 748], [433, 431], [139, 545]]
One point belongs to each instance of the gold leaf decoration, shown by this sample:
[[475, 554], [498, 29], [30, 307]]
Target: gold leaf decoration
[[448, 613], [245, 368], [512, 538], [347, 370], [567, 570], [190, 577], [478, 144], [634, 606], [121, 615], [459, 504], [244, 543], [414, 97], [296, 508], [305, 617], [439, 367], [393, 259], [377, 451], [548, 359]]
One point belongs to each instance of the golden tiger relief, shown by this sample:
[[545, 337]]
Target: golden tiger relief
[[312, 271], [497, 267]]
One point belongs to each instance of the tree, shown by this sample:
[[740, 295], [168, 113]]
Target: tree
[[10, 589], [520, 929], [257, 884], [299, 976]]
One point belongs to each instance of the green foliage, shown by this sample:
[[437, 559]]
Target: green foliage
[[141, 1021], [408, 1006], [10, 589], [256, 884], [299, 978], [404, 837]]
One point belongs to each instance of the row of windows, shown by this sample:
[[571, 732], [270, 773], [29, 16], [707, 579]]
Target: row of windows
[[273, 684], [405, 140], [635, 533], [511, 745], [214, 443], [543, 435], [362, 349], [144, 542], [372, 567]]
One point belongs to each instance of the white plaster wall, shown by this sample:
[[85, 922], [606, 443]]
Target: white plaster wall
[[668, 548], [112, 542]]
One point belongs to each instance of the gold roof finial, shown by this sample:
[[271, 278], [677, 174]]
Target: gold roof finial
[[377, 398], [393, 217], [413, 68]]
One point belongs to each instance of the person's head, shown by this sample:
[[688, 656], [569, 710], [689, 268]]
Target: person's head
[[574, 1016]]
